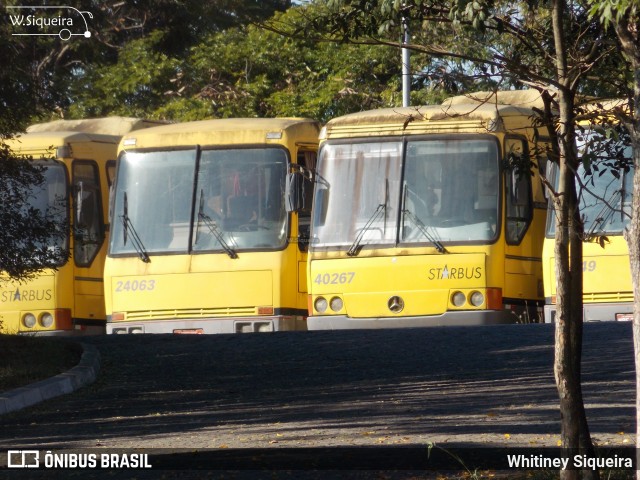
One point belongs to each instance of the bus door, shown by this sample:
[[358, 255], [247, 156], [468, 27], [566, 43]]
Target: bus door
[[88, 243], [523, 262], [306, 161]]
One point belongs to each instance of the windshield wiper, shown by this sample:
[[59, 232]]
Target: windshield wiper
[[420, 224], [355, 246], [135, 239], [603, 216], [425, 230], [382, 208], [213, 228]]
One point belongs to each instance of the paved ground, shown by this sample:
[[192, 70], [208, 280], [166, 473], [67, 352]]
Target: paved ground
[[473, 387]]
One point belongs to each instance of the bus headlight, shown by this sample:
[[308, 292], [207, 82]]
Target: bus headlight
[[336, 304], [476, 299], [29, 320], [320, 304], [46, 319], [458, 299]]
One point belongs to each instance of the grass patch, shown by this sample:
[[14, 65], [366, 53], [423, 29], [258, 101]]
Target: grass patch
[[24, 359]]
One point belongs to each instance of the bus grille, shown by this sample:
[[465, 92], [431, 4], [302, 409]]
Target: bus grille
[[604, 297], [191, 313]]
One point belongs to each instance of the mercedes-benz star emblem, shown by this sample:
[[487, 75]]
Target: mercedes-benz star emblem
[[395, 304]]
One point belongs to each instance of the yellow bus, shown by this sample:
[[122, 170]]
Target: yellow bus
[[422, 216], [605, 189], [202, 242], [79, 160]]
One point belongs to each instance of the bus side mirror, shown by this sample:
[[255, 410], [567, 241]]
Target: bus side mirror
[[295, 192]]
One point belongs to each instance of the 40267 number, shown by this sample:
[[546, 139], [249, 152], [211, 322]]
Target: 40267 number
[[334, 278]]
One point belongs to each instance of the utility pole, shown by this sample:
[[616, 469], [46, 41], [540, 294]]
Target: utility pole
[[406, 67]]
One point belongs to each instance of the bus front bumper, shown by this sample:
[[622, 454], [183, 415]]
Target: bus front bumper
[[276, 323], [596, 312], [342, 322]]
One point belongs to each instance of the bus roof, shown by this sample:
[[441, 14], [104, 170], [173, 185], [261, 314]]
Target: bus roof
[[520, 98], [43, 142], [598, 110], [448, 118], [107, 126], [225, 131]]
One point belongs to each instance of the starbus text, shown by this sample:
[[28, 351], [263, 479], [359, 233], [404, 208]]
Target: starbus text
[[26, 295]]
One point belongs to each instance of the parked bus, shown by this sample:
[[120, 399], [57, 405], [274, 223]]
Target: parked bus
[[201, 240], [79, 160], [605, 189], [423, 217]]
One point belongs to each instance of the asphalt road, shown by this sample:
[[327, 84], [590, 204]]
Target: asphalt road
[[330, 393]]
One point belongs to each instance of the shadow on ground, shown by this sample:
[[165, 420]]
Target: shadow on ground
[[302, 389]]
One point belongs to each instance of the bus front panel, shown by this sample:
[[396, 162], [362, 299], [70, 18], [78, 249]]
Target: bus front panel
[[378, 203], [201, 241], [208, 293], [424, 283], [606, 276], [42, 305], [407, 291], [605, 195]]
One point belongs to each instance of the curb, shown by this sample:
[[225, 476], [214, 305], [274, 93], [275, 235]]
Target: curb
[[82, 374]]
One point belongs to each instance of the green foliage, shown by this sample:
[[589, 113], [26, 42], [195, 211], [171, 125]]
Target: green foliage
[[474, 44], [474, 11], [28, 233], [27, 77], [259, 73], [610, 11], [248, 71], [252, 71], [134, 86], [145, 37]]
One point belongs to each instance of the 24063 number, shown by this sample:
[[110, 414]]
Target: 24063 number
[[334, 278], [135, 285]]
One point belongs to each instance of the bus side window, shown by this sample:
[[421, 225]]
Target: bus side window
[[111, 172], [111, 178], [88, 222], [519, 201], [306, 158]]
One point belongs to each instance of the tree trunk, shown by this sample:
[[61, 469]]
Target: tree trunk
[[629, 35], [568, 265], [632, 235], [568, 337]]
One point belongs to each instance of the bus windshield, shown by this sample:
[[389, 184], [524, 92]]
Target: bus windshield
[[242, 193], [449, 192], [200, 200], [605, 194]]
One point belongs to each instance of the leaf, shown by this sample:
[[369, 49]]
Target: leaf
[[603, 240], [409, 119]]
